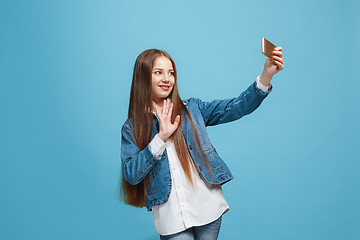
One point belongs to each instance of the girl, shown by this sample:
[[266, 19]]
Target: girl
[[168, 162]]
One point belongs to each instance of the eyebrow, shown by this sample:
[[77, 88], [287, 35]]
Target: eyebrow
[[163, 69]]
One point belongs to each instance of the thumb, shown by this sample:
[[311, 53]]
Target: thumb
[[177, 120]]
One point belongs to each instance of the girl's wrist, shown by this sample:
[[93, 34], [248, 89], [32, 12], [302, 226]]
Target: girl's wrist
[[265, 79], [163, 138]]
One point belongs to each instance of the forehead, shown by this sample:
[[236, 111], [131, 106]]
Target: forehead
[[162, 62]]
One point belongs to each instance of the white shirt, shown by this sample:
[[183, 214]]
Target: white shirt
[[188, 205]]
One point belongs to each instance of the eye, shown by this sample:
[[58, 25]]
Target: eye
[[157, 72], [172, 73]]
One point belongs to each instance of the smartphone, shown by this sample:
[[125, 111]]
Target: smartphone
[[267, 48]]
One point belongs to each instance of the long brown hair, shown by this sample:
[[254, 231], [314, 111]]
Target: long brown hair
[[140, 102]]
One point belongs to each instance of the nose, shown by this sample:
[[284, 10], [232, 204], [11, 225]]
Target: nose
[[166, 78]]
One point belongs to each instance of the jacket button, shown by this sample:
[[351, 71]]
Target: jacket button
[[190, 147]]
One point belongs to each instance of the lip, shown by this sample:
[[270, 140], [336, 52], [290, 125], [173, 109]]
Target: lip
[[164, 87]]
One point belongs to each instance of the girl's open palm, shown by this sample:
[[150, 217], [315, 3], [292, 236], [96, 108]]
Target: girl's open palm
[[166, 127]]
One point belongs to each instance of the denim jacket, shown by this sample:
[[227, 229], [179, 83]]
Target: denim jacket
[[137, 164]]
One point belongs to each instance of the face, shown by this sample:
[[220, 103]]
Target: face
[[162, 79]]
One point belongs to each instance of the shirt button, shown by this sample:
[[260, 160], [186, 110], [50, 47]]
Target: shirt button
[[190, 147], [200, 167]]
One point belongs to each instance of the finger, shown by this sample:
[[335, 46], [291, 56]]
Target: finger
[[280, 65], [278, 48], [167, 107], [278, 53], [272, 60], [279, 59], [177, 120], [164, 108], [170, 109]]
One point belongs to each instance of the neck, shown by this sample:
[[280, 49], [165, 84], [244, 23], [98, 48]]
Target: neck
[[159, 103]]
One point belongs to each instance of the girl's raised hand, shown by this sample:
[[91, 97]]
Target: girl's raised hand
[[164, 115], [272, 66]]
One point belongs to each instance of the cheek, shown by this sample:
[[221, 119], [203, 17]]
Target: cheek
[[172, 86], [154, 82], [172, 80], [153, 88]]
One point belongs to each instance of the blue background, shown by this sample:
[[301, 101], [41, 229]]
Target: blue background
[[66, 70]]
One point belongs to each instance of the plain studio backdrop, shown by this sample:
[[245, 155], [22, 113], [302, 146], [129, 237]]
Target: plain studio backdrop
[[66, 69]]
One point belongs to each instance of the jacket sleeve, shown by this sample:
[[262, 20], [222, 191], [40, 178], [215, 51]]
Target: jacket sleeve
[[227, 110], [135, 164]]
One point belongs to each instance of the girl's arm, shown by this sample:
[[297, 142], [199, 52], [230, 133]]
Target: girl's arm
[[272, 66], [222, 111], [135, 164], [227, 110]]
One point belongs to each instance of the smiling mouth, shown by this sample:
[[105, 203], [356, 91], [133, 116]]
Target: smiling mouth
[[165, 87]]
